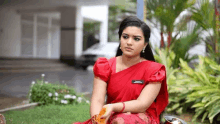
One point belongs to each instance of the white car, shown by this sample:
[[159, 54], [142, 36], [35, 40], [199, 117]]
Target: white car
[[90, 55]]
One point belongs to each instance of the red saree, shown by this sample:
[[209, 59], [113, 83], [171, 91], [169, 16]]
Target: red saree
[[120, 89]]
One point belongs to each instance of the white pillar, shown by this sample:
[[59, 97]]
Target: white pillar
[[79, 32], [104, 28]]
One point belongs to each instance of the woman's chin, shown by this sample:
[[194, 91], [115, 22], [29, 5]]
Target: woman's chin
[[128, 54]]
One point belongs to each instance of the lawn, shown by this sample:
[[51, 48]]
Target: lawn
[[51, 114], [58, 114]]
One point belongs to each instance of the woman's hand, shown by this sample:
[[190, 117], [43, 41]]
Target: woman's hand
[[93, 119], [109, 110]]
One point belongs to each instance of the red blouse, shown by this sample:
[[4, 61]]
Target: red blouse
[[127, 84]]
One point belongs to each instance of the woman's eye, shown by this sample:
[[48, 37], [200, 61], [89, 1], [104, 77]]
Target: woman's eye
[[125, 37], [136, 39]]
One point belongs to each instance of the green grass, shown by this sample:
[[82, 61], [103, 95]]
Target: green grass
[[57, 114], [52, 114]]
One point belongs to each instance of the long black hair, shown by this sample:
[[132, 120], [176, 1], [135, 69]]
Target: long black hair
[[134, 21]]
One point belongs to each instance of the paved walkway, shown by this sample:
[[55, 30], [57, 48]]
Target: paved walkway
[[14, 87], [7, 102]]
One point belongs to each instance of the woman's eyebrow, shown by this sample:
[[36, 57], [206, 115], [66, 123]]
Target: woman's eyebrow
[[137, 36], [124, 34], [133, 35]]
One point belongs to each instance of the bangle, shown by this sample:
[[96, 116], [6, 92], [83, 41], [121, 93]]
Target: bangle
[[123, 107]]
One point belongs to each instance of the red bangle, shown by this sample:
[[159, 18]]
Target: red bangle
[[123, 107]]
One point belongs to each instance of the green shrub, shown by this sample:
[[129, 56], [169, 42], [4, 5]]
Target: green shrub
[[196, 90], [176, 81], [205, 93], [49, 93]]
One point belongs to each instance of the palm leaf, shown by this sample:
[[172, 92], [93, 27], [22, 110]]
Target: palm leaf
[[198, 113], [214, 111], [198, 105], [204, 116], [213, 100]]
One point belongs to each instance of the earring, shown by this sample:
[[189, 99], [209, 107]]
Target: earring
[[143, 50]]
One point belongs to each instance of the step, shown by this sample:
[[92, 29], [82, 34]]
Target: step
[[45, 65], [31, 65], [9, 62]]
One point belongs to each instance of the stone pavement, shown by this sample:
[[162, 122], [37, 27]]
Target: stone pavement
[[14, 86], [7, 102]]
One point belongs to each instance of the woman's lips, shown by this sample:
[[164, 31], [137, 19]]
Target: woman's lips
[[128, 49]]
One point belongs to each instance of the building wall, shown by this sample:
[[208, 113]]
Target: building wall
[[10, 33], [40, 36], [55, 44], [33, 37], [18, 37], [98, 13]]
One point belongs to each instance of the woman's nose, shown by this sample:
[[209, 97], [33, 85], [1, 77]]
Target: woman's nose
[[129, 41]]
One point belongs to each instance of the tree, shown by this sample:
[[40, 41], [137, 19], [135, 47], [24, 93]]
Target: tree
[[166, 12], [204, 17]]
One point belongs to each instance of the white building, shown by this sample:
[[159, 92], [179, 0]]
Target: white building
[[49, 28]]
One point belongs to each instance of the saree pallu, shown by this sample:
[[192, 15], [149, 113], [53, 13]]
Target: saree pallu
[[127, 85]]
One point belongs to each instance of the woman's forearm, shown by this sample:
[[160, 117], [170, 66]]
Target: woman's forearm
[[98, 96], [95, 107], [142, 103], [134, 106]]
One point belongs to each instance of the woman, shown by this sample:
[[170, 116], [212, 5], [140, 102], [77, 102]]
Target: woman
[[135, 85]]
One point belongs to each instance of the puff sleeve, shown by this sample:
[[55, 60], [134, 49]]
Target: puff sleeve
[[102, 69], [158, 74]]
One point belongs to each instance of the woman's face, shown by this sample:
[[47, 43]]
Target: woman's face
[[132, 41]]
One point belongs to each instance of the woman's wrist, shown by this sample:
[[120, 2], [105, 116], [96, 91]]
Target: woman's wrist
[[122, 107], [95, 108], [113, 107], [118, 107]]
